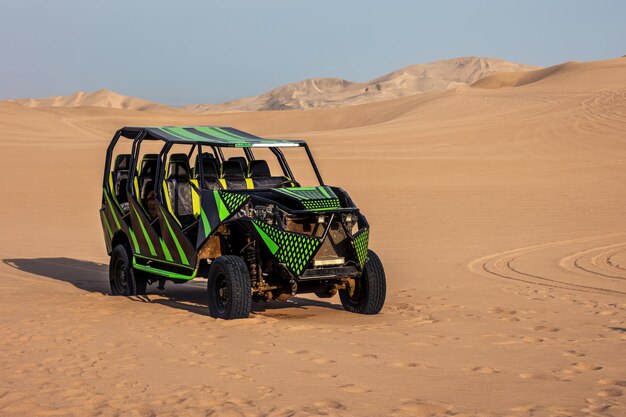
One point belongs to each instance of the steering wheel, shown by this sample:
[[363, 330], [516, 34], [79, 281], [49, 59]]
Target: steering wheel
[[285, 182]]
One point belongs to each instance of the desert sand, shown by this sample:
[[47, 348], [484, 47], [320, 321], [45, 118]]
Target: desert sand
[[498, 210]]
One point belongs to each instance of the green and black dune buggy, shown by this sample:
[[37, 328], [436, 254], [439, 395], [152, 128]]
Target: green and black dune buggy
[[203, 204]]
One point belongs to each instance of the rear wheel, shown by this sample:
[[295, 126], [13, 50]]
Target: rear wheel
[[229, 288], [124, 280], [367, 294]]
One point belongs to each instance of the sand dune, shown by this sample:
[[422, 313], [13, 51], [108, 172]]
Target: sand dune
[[313, 92], [519, 78], [498, 213], [336, 92], [101, 98]]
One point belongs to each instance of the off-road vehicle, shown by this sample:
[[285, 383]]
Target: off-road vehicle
[[254, 234]]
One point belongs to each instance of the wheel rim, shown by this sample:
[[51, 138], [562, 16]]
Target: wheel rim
[[221, 293], [355, 293], [121, 280]]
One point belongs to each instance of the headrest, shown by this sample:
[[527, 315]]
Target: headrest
[[178, 167], [148, 165], [209, 165], [242, 161], [259, 169], [122, 162], [232, 170]]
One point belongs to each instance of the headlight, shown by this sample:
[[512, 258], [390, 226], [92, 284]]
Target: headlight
[[349, 221], [264, 213]]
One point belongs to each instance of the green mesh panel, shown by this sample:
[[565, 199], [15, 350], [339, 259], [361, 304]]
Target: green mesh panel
[[321, 204], [313, 198], [232, 200], [294, 250], [360, 246]]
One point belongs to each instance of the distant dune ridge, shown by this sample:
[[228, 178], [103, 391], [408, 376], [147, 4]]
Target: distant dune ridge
[[315, 92], [101, 98], [337, 92]]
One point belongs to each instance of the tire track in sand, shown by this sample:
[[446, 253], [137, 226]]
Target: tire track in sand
[[506, 265], [596, 261]]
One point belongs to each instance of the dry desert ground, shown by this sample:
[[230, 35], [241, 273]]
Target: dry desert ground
[[499, 211]]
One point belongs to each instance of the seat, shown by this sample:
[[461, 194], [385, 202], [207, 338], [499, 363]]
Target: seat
[[210, 171], [261, 175], [179, 191], [145, 184], [119, 177], [242, 161], [147, 173], [232, 176]]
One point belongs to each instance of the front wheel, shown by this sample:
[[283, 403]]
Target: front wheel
[[229, 288], [367, 294]]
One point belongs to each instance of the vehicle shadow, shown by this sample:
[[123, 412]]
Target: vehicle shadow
[[94, 277]]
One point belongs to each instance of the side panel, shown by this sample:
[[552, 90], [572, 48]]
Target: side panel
[[215, 208], [108, 231], [360, 244], [148, 241], [180, 249], [113, 220], [293, 250]]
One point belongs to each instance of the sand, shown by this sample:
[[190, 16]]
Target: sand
[[336, 92], [498, 214]]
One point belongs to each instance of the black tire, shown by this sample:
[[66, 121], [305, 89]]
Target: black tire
[[368, 296], [120, 271], [123, 279], [229, 288], [140, 281]]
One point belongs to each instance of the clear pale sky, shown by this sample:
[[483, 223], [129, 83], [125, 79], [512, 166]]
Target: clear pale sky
[[187, 51]]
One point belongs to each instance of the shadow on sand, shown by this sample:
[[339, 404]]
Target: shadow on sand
[[94, 277]]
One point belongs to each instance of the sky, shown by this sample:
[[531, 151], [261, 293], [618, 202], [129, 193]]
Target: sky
[[194, 51]]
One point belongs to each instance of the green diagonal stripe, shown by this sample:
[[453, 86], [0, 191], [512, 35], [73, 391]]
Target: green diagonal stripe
[[106, 194], [106, 222], [181, 252], [134, 239], [205, 223], [221, 207], [218, 134], [323, 190], [183, 134], [166, 251], [145, 232], [271, 245]]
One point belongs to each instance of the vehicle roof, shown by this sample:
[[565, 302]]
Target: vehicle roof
[[206, 135]]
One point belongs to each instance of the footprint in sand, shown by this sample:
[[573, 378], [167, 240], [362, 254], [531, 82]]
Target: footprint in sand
[[610, 392], [322, 361], [532, 339], [420, 408], [298, 352], [619, 383], [355, 389], [543, 377], [541, 328], [485, 370], [573, 354], [365, 355], [586, 366], [409, 365]]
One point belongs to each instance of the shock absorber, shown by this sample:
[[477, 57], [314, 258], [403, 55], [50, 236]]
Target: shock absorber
[[249, 254]]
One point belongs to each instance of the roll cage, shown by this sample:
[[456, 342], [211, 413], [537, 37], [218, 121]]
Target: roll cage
[[197, 137]]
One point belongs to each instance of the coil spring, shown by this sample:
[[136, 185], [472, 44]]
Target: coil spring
[[250, 257]]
